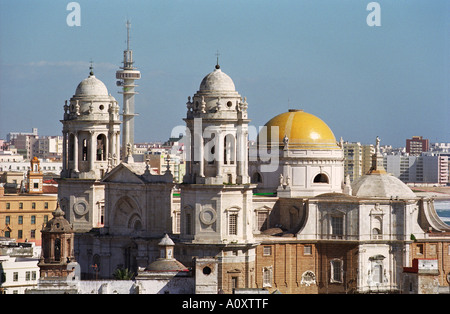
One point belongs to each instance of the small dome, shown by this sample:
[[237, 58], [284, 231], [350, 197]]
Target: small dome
[[58, 224], [382, 186], [166, 241], [166, 265], [217, 81], [91, 86], [303, 131]]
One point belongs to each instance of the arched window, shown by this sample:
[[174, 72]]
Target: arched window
[[85, 150], [376, 228], [101, 147], [308, 278], [321, 178], [229, 149], [71, 146], [256, 178], [57, 249], [267, 277]]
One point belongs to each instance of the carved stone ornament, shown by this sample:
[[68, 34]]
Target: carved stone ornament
[[208, 216], [80, 208]]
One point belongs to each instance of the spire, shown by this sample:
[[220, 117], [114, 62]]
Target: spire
[[58, 211], [91, 67], [217, 64], [128, 34]]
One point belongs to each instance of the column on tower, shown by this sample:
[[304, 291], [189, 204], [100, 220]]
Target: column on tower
[[64, 153], [75, 151]]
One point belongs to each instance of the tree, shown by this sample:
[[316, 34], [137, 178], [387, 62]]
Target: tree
[[123, 274]]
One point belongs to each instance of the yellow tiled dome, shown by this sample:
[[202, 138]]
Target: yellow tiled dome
[[303, 131]]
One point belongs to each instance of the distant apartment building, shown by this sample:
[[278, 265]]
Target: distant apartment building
[[427, 168], [357, 159], [440, 147], [24, 144], [435, 168], [160, 161], [49, 167], [48, 147], [10, 156], [11, 136], [416, 145]]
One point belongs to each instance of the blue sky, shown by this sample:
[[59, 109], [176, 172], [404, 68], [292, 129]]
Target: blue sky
[[390, 81]]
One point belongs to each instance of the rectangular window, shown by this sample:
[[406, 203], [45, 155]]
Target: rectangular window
[[7, 220], [336, 271], [307, 250], [20, 220], [33, 205], [8, 205], [33, 219], [188, 224], [46, 205], [21, 205], [232, 225], [267, 276], [45, 219], [33, 275], [377, 273], [432, 249], [337, 226], [262, 220], [420, 249], [15, 276], [36, 185], [177, 222], [267, 251], [19, 234], [234, 282], [102, 214], [33, 234], [28, 276]]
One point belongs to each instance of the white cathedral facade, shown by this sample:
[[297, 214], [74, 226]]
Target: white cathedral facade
[[237, 223]]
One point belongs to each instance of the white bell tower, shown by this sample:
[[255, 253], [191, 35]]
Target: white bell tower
[[91, 147], [217, 127], [216, 196]]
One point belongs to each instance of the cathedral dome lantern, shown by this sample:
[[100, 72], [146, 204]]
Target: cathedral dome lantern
[[217, 98], [91, 86], [217, 81], [91, 129], [218, 128], [166, 262]]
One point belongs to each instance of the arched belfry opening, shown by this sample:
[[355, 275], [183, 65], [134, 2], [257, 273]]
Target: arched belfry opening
[[321, 178]]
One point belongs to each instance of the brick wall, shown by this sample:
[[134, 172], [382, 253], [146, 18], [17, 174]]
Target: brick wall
[[439, 250]]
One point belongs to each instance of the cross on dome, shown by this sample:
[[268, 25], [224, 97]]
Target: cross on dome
[[217, 64]]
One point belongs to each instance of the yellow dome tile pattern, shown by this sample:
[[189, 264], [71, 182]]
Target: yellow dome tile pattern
[[303, 130]]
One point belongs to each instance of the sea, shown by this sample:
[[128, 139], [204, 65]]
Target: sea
[[443, 210]]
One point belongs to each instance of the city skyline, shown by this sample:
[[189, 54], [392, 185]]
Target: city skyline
[[364, 81]]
